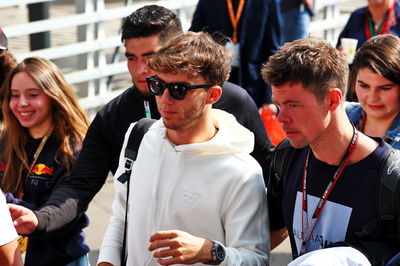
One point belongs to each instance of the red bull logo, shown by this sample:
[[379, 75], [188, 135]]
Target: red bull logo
[[42, 169]]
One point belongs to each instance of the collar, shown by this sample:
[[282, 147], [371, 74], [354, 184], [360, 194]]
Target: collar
[[144, 97], [355, 113], [393, 132]]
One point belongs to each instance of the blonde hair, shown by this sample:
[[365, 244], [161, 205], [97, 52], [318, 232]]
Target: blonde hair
[[69, 120]]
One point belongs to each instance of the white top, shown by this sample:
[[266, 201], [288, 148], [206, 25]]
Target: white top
[[337, 256], [213, 190], [7, 230]]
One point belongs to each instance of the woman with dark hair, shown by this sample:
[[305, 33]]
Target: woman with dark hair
[[375, 78], [43, 129]]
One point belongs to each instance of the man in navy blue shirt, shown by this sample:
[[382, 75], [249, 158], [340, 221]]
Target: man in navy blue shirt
[[330, 187]]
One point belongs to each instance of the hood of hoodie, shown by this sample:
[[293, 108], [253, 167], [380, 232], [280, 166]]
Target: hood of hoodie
[[230, 138]]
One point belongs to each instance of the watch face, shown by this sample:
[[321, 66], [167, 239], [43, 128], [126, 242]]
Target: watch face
[[220, 253]]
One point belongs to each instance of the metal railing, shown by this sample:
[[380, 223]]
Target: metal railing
[[92, 77], [92, 80], [329, 20], [7, 3]]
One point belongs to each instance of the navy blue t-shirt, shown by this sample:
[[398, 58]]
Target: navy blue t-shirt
[[351, 204]]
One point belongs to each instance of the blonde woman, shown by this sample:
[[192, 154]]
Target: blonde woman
[[42, 132]]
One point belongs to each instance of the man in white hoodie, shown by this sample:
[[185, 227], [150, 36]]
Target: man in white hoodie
[[196, 195], [9, 252]]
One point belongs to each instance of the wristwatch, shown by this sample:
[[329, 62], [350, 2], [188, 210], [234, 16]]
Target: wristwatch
[[218, 253]]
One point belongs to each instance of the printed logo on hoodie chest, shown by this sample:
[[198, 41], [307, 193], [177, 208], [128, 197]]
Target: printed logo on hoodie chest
[[190, 198]]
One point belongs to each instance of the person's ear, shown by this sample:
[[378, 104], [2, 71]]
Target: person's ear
[[214, 93], [335, 97]]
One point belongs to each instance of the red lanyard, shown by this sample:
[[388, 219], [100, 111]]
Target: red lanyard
[[307, 229], [235, 18], [361, 125], [383, 28], [36, 156]]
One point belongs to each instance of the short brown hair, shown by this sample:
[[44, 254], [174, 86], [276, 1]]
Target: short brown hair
[[312, 62], [381, 54], [197, 55]]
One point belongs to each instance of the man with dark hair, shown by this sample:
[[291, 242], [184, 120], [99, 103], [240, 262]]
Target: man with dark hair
[[143, 34], [328, 192], [151, 20], [194, 188]]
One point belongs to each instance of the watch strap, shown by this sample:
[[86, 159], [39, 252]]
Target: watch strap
[[218, 253]]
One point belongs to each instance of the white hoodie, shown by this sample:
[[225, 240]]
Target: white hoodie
[[212, 189], [7, 230]]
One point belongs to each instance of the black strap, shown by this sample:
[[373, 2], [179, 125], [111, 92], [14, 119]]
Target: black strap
[[280, 161], [387, 199], [132, 147], [131, 151], [388, 187]]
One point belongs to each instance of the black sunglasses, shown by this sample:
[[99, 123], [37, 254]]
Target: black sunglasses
[[177, 90]]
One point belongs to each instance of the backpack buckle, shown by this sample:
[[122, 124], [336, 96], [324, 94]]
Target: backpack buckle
[[128, 169], [128, 164]]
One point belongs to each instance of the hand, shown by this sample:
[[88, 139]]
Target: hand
[[184, 248], [309, 4], [25, 220]]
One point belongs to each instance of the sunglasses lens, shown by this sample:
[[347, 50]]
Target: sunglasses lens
[[155, 86], [178, 91]]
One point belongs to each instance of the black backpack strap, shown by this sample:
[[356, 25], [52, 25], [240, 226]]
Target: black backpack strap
[[280, 161], [132, 147], [389, 173], [131, 151], [388, 188]]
